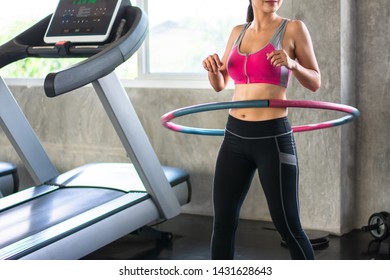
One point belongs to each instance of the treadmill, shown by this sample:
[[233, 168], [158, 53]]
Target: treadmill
[[69, 215]]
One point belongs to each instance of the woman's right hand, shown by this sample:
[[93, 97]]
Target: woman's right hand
[[217, 72], [212, 63]]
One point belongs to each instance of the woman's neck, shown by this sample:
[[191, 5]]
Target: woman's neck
[[263, 21]]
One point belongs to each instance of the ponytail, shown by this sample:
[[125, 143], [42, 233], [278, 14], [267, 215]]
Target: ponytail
[[249, 15]]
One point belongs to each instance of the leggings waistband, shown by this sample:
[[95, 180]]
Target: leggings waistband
[[258, 129]]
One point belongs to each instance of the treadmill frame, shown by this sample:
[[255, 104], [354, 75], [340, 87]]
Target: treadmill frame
[[109, 221]]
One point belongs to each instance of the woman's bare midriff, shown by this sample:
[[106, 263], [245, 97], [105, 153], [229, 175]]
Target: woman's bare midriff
[[244, 92]]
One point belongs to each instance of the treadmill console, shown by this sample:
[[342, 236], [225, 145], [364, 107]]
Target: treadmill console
[[106, 32], [80, 21]]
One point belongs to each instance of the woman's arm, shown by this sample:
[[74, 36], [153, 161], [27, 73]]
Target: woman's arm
[[304, 66], [216, 68], [217, 72]]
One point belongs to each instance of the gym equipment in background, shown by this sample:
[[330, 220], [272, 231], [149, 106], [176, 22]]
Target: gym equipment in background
[[67, 216], [378, 225]]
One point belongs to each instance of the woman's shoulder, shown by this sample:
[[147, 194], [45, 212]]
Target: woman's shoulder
[[238, 28], [236, 31], [296, 30], [296, 26]]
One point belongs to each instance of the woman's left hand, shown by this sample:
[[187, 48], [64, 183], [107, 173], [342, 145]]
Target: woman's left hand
[[280, 58]]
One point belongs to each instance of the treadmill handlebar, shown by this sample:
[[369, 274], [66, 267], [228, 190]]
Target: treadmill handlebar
[[101, 60], [17, 48]]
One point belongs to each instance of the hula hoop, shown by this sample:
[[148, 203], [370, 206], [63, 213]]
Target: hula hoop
[[271, 103]]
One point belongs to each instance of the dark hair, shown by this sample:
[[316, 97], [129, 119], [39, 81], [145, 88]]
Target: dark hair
[[249, 15]]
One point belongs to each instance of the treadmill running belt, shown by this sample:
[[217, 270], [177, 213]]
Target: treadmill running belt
[[36, 215]]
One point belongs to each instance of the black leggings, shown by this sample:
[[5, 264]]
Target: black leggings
[[269, 147]]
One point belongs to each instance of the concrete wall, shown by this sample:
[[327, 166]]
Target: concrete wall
[[344, 171], [373, 88]]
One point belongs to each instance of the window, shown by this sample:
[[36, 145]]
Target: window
[[181, 34], [15, 18]]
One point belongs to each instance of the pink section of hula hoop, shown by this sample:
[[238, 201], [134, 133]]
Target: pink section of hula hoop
[[171, 126], [167, 117], [309, 104], [309, 127]]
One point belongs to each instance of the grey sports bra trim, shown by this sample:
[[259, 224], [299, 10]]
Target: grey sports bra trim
[[276, 39]]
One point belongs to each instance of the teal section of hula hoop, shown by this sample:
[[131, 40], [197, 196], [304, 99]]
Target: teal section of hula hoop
[[202, 131], [212, 107], [220, 106]]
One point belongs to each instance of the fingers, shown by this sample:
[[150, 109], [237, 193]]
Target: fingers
[[278, 58], [212, 63]]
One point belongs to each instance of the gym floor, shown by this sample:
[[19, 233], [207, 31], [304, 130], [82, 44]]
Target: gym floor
[[255, 241]]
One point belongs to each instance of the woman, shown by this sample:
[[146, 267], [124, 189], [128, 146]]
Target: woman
[[260, 57]]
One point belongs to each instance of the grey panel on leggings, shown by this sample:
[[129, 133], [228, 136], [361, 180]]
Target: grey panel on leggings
[[288, 158]]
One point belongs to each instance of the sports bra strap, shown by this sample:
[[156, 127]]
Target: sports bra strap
[[239, 39], [276, 39]]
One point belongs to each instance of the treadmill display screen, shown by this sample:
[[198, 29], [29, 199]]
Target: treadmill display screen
[[82, 21]]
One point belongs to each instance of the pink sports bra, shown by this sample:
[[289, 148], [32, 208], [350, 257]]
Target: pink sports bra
[[254, 67]]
